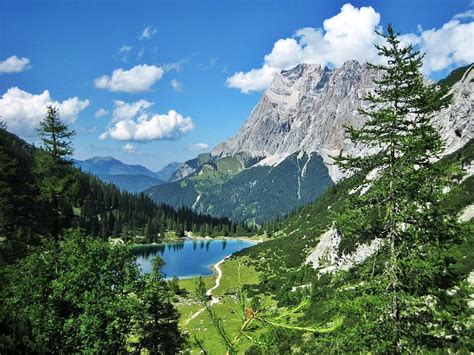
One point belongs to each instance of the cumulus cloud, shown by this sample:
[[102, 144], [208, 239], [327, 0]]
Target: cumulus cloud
[[23, 111], [130, 148], [176, 85], [131, 122], [101, 113], [14, 64], [351, 35], [199, 146], [254, 80], [138, 79], [126, 111], [448, 46], [348, 35], [148, 32]]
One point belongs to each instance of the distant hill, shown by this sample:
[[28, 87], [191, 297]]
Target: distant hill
[[131, 183], [111, 166], [168, 171], [131, 178]]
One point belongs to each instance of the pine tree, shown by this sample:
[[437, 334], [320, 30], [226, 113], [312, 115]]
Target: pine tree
[[158, 324], [402, 204], [54, 168]]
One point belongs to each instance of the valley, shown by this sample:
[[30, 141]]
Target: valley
[[242, 178]]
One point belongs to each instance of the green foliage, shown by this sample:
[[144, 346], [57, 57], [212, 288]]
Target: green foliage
[[228, 186], [455, 76], [54, 171], [360, 294], [157, 326], [402, 206], [84, 294], [21, 215], [257, 319]]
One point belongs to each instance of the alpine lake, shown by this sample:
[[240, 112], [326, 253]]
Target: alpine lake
[[189, 258]]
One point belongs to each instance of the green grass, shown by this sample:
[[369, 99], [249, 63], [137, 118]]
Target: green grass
[[228, 308], [190, 284], [230, 270]]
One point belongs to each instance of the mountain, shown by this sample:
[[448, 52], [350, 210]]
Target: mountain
[[131, 178], [131, 183], [281, 157], [306, 108], [111, 166], [166, 173]]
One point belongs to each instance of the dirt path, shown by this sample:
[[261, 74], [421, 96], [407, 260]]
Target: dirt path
[[214, 300]]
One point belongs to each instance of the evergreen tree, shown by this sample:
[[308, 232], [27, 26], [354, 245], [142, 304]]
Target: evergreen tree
[[401, 305], [54, 169], [158, 326]]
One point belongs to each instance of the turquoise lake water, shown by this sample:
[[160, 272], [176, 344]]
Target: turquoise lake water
[[188, 258]]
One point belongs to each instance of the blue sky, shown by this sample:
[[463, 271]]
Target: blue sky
[[183, 76]]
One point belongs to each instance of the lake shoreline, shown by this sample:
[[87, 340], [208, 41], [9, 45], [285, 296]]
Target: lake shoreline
[[190, 258], [196, 238]]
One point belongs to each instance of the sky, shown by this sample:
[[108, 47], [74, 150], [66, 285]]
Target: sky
[[150, 82]]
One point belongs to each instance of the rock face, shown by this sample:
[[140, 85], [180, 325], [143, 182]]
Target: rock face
[[306, 108], [326, 257], [456, 122]]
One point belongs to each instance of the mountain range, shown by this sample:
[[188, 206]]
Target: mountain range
[[131, 178], [281, 157]]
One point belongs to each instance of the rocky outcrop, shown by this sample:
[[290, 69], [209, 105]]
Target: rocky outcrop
[[456, 122], [326, 258], [306, 108]]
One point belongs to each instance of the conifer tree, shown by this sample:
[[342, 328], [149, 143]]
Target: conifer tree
[[158, 324], [54, 168], [402, 204]]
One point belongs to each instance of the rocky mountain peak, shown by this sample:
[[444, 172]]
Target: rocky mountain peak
[[306, 108]]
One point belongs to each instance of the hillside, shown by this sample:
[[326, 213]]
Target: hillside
[[131, 178], [285, 276], [168, 170], [101, 209]]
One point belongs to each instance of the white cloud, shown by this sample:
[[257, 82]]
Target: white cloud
[[178, 66], [451, 45], [138, 79], [130, 148], [132, 123], [101, 113], [199, 146], [464, 15], [254, 80], [125, 49], [22, 111], [123, 53], [126, 111], [350, 35], [176, 85], [14, 64], [148, 32]]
